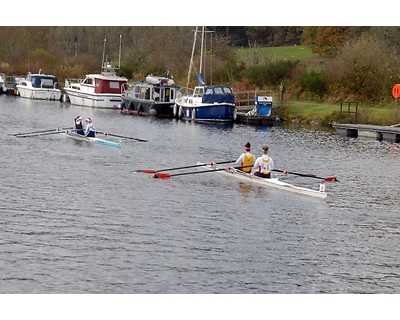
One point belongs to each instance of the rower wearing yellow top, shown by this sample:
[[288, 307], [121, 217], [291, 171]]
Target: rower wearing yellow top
[[263, 165], [246, 159]]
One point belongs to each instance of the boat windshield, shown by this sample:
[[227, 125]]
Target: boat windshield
[[44, 82], [218, 94]]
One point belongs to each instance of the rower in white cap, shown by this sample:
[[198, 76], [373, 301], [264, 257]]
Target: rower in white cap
[[90, 131]]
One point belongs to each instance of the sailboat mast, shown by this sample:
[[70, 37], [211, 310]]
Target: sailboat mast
[[120, 46], [104, 50], [201, 49], [191, 59]]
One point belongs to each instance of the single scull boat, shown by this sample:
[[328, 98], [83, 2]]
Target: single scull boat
[[272, 182], [76, 136]]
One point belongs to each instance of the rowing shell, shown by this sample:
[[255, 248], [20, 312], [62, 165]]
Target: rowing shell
[[271, 182], [80, 137]]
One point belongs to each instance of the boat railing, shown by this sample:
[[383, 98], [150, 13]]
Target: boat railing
[[69, 81], [187, 91], [245, 99], [10, 81]]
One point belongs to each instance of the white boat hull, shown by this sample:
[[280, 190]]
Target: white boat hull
[[39, 93], [272, 182], [93, 140], [105, 101]]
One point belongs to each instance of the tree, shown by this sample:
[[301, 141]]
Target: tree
[[324, 40]]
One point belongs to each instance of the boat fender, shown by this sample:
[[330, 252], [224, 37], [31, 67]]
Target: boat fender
[[139, 109], [122, 106], [152, 111], [180, 112], [175, 110], [130, 106], [194, 114], [234, 114]]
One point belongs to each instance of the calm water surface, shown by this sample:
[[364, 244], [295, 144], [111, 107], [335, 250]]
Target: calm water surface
[[76, 218]]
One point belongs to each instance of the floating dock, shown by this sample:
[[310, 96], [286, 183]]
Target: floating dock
[[381, 133]]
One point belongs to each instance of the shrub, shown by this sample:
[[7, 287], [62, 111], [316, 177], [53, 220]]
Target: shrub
[[312, 81]]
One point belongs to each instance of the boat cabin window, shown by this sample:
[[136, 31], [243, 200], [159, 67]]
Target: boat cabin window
[[114, 84], [157, 95], [227, 90], [209, 91], [198, 92], [46, 83], [88, 81], [136, 92], [169, 94], [218, 90], [144, 93]]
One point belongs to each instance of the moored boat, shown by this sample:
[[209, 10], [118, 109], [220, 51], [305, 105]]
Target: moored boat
[[97, 90], [206, 103], [261, 113], [80, 137], [153, 97], [3, 87], [39, 86], [271, 182]]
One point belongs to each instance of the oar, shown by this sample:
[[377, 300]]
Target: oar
[[118, 136], [35, 132], [167, 175], [186, 167], [40, 134], [307, 175]]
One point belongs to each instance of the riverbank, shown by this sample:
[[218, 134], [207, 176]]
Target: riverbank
[[325, 113]]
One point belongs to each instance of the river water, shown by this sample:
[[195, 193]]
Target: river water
[[77, 218]]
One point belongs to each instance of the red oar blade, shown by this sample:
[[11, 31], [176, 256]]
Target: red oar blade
[[331, 179], [162, 175], [148, 171]]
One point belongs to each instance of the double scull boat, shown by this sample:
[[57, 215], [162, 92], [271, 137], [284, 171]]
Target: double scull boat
[[272, 182], [80, 137]]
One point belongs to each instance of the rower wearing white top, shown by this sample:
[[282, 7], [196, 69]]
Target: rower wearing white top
[[263, 165], [246, 159], [90, 132]]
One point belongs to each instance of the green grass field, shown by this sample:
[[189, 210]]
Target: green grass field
[[292, 52], [324, 113], [289, 52]]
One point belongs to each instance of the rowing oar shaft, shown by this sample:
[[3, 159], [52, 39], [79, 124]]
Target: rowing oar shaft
[[167, 175], [186, 167], [306, 175], [36, 132], [40, 134], [123, 137]]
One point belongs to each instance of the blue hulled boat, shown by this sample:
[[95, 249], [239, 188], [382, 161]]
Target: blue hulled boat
[[208, 103], [205, 103]]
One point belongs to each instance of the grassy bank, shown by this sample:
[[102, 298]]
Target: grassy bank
[[325, 113]]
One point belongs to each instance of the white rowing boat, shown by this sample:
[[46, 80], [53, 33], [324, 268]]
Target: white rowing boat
[[272, 182], [80, 137]]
